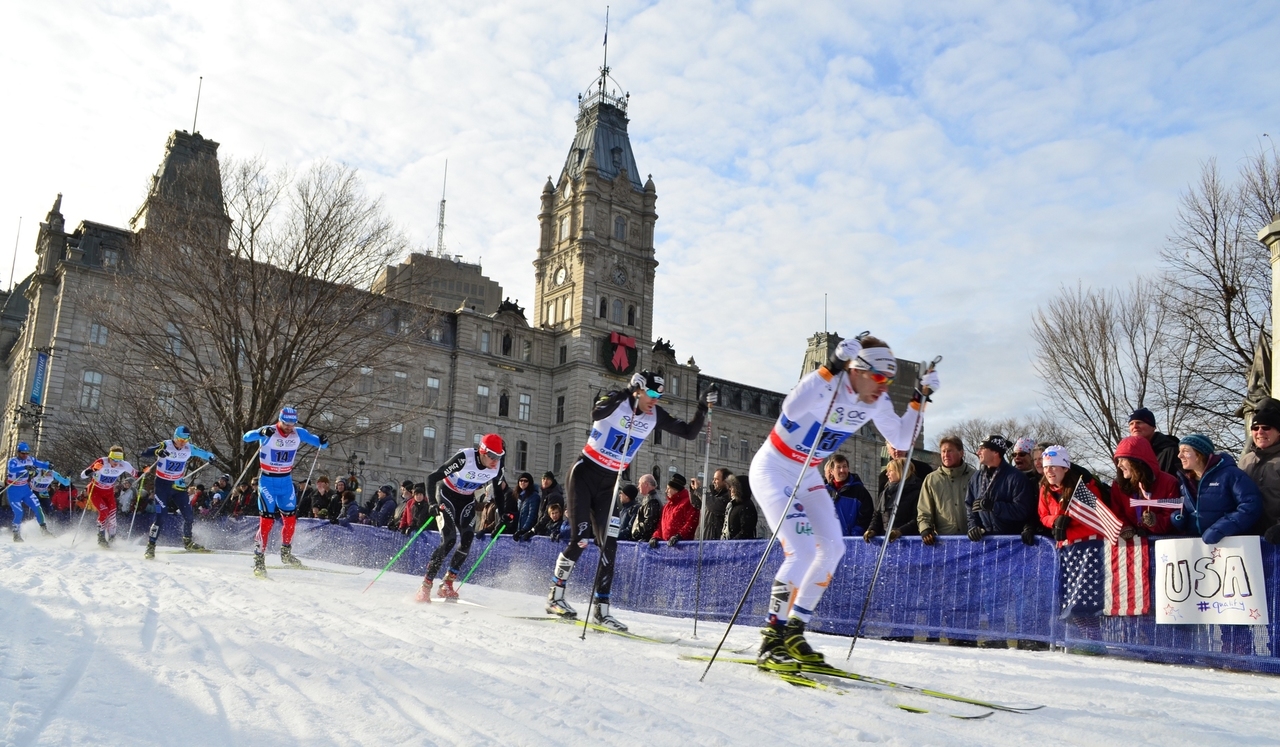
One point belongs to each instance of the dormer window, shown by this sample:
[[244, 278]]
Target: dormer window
[[110, 259], [617, 158]]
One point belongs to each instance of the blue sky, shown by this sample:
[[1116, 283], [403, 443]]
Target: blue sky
[[938, 170]]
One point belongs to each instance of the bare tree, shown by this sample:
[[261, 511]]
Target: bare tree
[[974, 431], [231, 309]]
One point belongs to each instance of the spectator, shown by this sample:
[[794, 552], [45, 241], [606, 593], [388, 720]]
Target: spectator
[[902, 521], [649, 514], [1143, 423], [999, 498], [1260, 463], [199, 503], [627, 507], [1139, 477], [717, 502], [551, 492], [321, 497], [553, 524], [1226, 505], [218, 492], [1024, 461], [417, 511], [335, 498], [853, 503], [383, 506], [402, 500], [679, 517], [126, 494], [1080, 547], [244, 500], [1060, 480], [941, 510], [1037, 458], [741, 517], [921, 468], [529, 502]]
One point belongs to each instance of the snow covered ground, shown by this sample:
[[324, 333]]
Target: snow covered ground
[[105, 648]]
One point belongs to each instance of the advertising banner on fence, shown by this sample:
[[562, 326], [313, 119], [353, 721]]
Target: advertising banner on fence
[[1199, 584]]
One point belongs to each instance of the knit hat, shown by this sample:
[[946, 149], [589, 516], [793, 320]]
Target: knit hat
[[677, 482], [407, 484], [1268, 413], [1024, 446], [996, 442], [631, 491], [549, 475], [1199, 442], [1056, 456], [1144, 415]]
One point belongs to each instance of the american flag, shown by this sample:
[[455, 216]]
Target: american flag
[[1107, 578], [1085, 508]]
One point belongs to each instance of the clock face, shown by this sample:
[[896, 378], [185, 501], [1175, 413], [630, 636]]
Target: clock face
[[560, 276], [619, 275]]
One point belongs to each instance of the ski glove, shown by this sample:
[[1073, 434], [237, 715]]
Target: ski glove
[[1060, 528], [844, 353], [653, 543], [266, 431], [868, 535], [675, 539], [985, 503], [1212, 536], [894, 534], [976, 533], [1273, 535], [1029, 535], [637, 381], [931, 381], [928, 536], [324, 440]]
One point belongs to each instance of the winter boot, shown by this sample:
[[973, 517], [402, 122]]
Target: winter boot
[[150, 554], [424, 592], [102, 539], [286, 557], [604, 619], [446, 587], [44, 529], [259, 565], [773, 654], [191, 546], [17, 535], [797, 647], [558, 605]]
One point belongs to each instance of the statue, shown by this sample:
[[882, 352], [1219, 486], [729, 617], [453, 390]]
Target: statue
[[1259, 380]]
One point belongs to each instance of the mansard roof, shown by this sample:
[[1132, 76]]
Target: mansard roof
[[602, 132]]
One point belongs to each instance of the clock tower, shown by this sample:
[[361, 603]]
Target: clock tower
[[595, 266]]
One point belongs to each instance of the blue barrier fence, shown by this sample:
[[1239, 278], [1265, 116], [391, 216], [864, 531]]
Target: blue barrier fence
[[996, 589]]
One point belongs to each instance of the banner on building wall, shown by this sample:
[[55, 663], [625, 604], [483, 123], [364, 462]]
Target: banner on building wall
[[1202, 584], [37, 384]]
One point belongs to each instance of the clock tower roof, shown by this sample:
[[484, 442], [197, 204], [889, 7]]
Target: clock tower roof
[[602, 134]]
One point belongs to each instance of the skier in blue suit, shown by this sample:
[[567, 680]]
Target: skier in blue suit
[[277, 448], [17, 479]]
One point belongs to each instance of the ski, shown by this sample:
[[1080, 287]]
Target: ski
[[800, 679], [312, 568], [831, 671], [597, 628]]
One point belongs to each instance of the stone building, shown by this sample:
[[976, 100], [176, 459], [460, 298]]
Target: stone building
[[486, 364]]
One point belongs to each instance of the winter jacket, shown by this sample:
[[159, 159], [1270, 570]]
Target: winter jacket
[[921, 470], [553, 494], [557, 530], [648, 515], [1224, 502], [717, 505], [1166, 486], [679, 518], [626, 517], [1165, 448], [416, 513], [1014, 502], [740, 520], [941, 505], [854, 505], [905, 518], [530, 503], [382, 512], [1050, 507], [1263, 466]]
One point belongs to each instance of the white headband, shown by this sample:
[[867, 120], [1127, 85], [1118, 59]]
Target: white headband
[[880, 360]]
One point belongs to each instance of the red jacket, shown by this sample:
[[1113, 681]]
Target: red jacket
[[678, 517], [1051, 507], [1136, 447]]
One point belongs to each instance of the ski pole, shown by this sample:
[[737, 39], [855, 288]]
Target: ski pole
[[817, 439], [137, 495], [227, 501], [612, 531], [307, 485], [425, 524], [88, 496], [712, 398], [487, 548], [893, 512]]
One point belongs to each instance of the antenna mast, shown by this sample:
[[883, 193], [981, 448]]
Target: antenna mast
[[604, 69], [440, 216], [194, 117]]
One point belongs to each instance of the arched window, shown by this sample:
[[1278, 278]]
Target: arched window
[[604, 307], [631, 315], [506, 344], [504, 404], [617, 311], [620, 228]]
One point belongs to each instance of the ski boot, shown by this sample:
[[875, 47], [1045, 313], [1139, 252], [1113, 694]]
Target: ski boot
[[259, 565], [190, 545], [773, 654], [150, 554], [424, 592], [102, 539], [797, 647], [44, 529], [287, 557], [447, 592], [558, 605], [604, 619], [17, 535]]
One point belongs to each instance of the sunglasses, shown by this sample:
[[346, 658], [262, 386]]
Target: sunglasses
[[879, 378], [1258, 427], [652, 394]]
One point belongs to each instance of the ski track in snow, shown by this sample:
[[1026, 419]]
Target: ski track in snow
[[106, 648]]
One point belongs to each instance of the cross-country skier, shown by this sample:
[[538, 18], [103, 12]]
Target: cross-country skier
[[22, 469], [858, 375], [171, 464], [43, 482], [103, 475], [623, 419], [278, 446], [451, 490]]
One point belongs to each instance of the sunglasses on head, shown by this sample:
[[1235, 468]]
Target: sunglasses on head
[[1260, 427]]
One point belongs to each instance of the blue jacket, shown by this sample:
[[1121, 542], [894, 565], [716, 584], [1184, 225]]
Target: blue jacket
[[530, 505], [853, 506], [1014, 502], [1224, 503], [383, 511]]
